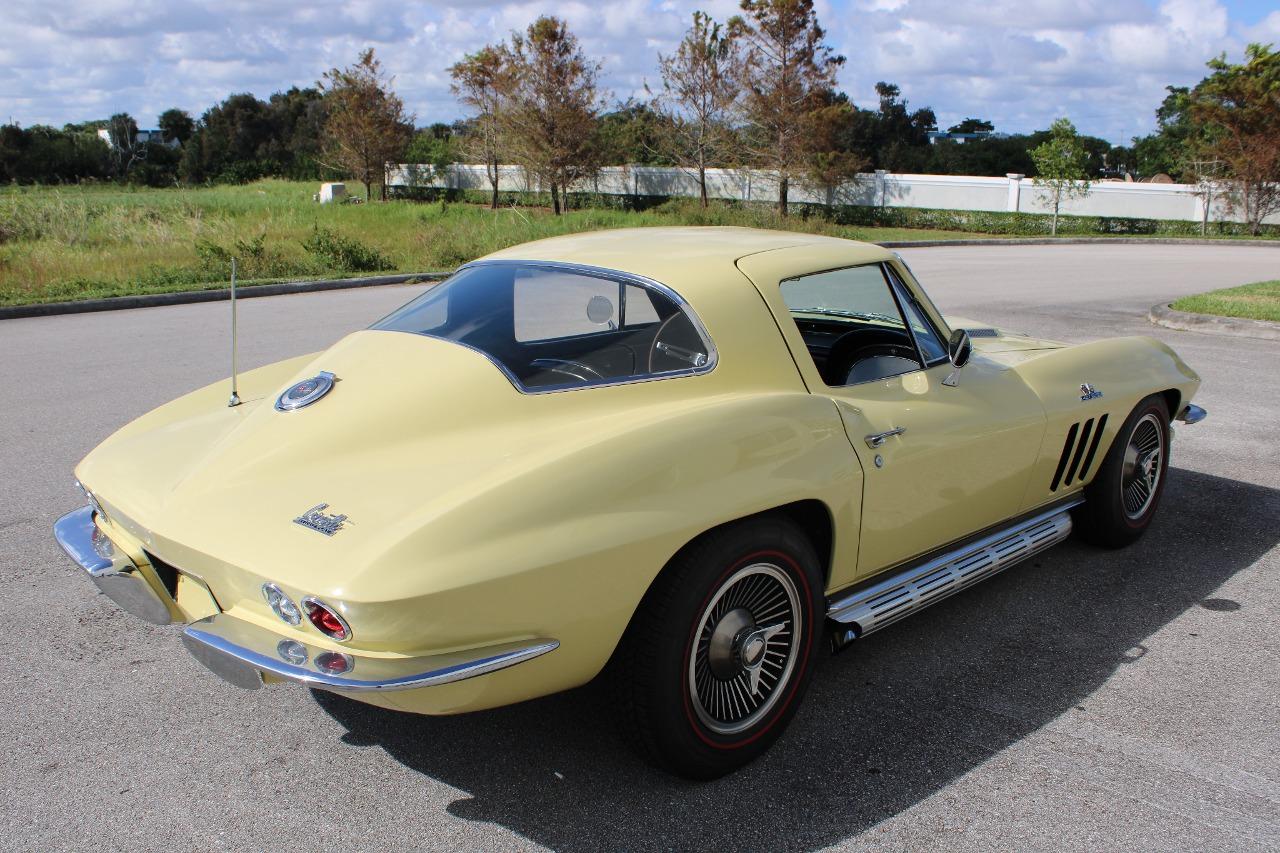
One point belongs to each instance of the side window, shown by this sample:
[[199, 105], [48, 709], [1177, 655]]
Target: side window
[[549, 304], [851, 325], [637, 307], [555, 328], [926, 335]]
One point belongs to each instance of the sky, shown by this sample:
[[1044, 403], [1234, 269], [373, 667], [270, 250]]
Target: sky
[[1019, 63]]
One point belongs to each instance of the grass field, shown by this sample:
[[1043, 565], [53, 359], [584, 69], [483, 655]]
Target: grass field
[[1260, 301], [64, 243]]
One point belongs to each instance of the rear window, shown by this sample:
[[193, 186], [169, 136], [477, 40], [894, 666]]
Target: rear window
[[553, 327]]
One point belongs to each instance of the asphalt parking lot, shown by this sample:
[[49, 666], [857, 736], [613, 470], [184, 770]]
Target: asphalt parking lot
[[1087, 700]]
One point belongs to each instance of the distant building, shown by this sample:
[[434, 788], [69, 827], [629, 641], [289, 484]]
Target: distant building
[[935, 135], [142, 137]]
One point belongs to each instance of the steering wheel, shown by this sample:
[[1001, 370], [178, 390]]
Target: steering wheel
[[676, 345], [863, 355], [573, 369]]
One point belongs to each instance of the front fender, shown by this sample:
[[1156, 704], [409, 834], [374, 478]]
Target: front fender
[[1124, 370]]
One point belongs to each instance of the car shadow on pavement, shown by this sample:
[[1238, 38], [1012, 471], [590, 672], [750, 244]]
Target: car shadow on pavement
[[884, 725]]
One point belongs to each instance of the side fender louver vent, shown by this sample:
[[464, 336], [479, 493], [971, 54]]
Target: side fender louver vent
[[1077, 456]]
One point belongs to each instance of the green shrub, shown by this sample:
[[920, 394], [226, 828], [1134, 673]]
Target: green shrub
[[255, 259], [347, 254]]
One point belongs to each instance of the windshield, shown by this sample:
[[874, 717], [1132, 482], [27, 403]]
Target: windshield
[[554, 327]]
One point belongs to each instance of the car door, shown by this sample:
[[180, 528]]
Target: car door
[[941, 461]]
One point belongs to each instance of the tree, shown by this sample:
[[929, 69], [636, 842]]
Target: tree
[[1061, 163], [482, 81], [41, 154], [176, 124], [293, 144], [125, 147], [1238, 107], [367, 126], [903, 134], [430, 152], [785, 61], [832, 158], [551, 121], [634, 133], [700, 92], [972, 125], [1170, 149]]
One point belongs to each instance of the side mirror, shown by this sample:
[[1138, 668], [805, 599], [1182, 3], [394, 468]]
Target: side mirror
[[959, 348]]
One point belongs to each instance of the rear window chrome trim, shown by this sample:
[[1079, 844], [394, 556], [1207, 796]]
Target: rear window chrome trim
[[713, 357]]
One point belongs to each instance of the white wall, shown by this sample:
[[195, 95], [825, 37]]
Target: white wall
[[945, 192]]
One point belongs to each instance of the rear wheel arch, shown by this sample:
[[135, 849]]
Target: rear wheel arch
[[811, 516]]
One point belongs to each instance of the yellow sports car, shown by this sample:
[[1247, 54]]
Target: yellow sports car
[[686, 457]]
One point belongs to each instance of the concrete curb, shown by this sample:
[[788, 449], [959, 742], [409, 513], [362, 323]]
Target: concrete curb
[[1212, 324], [153, 300]]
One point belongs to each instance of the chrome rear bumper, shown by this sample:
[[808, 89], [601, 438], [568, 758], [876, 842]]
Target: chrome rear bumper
[[241, 652], [111, 571]]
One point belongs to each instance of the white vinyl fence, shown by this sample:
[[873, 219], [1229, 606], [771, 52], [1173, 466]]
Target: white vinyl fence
[[945, 192]]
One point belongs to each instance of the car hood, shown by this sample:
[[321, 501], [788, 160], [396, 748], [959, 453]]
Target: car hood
[[989, 339], [411, 428]]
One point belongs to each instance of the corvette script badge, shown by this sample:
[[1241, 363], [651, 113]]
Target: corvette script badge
[[316, 519]]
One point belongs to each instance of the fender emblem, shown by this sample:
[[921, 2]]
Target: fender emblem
[[316, 519], [1088, 392]]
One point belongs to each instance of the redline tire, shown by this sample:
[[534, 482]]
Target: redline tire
[[701, 686]]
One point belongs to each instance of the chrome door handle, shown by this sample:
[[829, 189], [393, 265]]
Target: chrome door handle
[[878, 439]]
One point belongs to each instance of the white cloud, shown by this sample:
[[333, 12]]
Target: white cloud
[[1019, 62]]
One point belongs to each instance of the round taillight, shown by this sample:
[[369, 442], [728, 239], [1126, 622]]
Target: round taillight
[[326, 619], [334, 663], [281, 604]]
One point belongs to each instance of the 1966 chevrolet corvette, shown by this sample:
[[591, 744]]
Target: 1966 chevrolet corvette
[[687, 457]]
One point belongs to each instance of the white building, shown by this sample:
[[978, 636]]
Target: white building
[[142, 137]]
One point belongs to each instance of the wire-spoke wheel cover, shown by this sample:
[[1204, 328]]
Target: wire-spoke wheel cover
[[1143, 466], [744, 650]]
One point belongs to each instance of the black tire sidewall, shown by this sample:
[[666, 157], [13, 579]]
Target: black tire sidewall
[[682, 742], [1104, 520]]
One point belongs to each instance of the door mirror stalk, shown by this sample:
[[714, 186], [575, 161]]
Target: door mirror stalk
[[959, 348]]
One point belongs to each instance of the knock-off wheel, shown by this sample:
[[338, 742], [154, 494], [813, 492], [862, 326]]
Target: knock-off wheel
[[719, 652]]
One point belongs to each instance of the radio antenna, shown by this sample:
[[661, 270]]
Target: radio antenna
[[235, 396]]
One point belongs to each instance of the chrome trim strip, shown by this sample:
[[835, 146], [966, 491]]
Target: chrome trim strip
[[713, 356], [916, 587], [235, 650], [1191, 414], [117, 578]]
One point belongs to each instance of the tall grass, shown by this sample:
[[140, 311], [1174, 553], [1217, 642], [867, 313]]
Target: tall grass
[[93, 241]]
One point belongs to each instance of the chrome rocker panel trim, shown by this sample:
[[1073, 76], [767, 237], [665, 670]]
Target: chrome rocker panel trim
[[912, 589], [1191, 414], [117, 578], [241, 652]]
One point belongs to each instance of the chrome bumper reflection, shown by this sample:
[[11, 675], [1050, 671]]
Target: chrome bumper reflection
[[1191, 414], [112, 572], [240, 652]]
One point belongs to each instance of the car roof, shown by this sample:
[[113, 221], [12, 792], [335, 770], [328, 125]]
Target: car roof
[[688, 259]]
